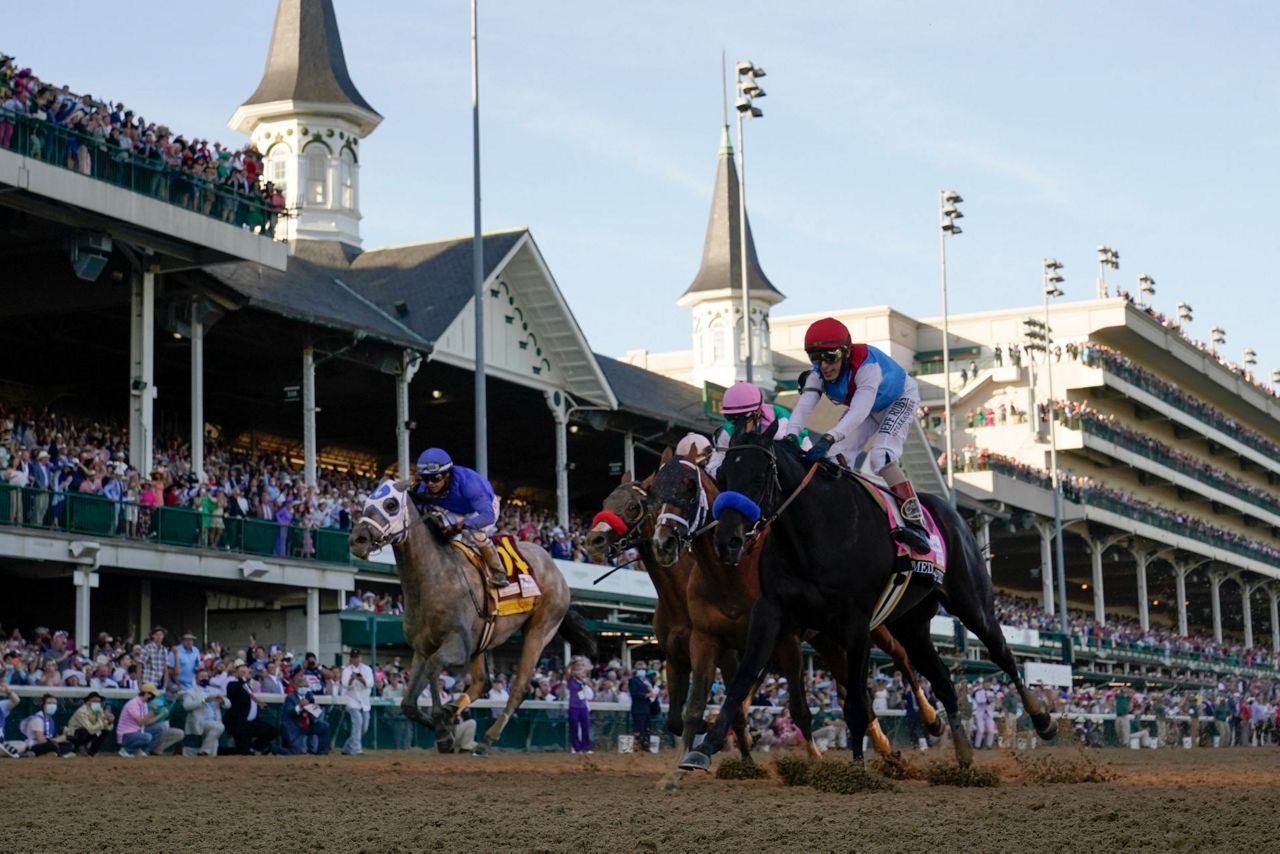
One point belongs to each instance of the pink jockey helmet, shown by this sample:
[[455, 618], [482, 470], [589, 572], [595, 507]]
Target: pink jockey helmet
[[743, 397]]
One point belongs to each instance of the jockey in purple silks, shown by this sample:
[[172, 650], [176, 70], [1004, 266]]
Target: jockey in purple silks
[[468, 501]]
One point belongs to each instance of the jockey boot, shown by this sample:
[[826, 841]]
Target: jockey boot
[[497, 572], [911, 533]]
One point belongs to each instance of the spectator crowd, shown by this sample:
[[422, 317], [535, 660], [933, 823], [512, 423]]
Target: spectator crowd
[[109, 141]]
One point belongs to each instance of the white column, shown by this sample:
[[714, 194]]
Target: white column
[[1099, 602], [144, 609], [1046, 564], [1144, 599], [142, 391], [313, 620], [1215, 581], [629, 454], [197, 390], [556, 402], [409, 362], [309, 416], [1180, 577], [984, 541], [85, 579], [1275, 618], [1246, 610]]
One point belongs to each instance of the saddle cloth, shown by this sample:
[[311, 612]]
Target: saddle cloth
[[522, 588], [933, 564]]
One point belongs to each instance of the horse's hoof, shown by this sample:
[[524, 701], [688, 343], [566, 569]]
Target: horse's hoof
[[695, 760], [480, 750], [445, 745], [1046, 726]]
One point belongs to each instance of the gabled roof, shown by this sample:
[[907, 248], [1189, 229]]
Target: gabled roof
[[722, 251], [305, 63], [433, 280], [655, 396]]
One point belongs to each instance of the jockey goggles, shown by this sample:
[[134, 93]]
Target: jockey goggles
[[827, 357]]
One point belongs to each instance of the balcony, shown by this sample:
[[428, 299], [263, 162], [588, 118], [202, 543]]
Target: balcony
[[47, 168]]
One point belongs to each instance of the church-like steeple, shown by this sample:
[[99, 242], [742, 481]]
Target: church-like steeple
[[306, 65], [722, 250], [308, 119], [715, 295]]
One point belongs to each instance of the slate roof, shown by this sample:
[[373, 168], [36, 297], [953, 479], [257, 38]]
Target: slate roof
[[722, 251], [655, 396], [330, 284], [305, 61]]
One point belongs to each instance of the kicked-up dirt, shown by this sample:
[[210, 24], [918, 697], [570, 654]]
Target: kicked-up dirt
[[1157, 800]]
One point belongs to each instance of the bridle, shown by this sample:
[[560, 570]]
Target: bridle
[[633, 535], [773, 489], [686, 528], [385, 514]]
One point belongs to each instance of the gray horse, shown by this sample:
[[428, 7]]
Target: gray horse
[[443, 610]]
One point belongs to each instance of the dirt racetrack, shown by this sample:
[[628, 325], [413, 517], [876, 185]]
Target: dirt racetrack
[[1162, 800]]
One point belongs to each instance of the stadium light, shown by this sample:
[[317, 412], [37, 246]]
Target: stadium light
[[748, 89], [1107, 257], [1146, 288], [1250, 356], [1051, 276], [1275, 375], [948, 202], [1219, 335], [1184, 312]]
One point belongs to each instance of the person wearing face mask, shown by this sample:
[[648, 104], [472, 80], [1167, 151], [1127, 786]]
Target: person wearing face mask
[[204, 704], [89, 725], [41, 731]]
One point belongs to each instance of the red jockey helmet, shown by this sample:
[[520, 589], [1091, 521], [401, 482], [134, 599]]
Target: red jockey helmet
[[826, 334]]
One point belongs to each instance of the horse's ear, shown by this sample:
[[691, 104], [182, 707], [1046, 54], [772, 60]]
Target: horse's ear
[[627, 477], [772, 432], [666, 455], [403, 485]]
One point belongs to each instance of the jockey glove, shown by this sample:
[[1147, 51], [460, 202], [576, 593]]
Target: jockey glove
[[819, 449]]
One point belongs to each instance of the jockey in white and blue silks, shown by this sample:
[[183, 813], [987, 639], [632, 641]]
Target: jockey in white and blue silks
[[881, 399], [467, 500]]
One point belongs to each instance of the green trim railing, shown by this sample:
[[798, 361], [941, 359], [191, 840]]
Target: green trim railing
[[96, 516], [61, 146], [1175, 397]]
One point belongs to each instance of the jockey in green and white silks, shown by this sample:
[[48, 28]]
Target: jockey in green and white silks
[[744, 399]]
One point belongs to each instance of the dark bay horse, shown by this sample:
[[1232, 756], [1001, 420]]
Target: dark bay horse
[[627, 521], [826, 563], [721, 597], [443, 621]]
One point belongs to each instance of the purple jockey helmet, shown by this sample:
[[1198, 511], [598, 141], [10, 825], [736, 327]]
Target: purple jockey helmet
[[744, 397]]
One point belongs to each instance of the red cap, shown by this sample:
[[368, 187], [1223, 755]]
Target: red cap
[[825, 334]]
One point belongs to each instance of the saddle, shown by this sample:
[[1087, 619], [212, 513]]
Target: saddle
[[930, 566], [521, 592]]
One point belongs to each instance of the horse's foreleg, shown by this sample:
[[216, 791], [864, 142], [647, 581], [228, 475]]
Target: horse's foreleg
[[413, 691], [678, 669], [856, 707], [791, 664], [913, 632], [889, 644], [453, 652], [537, 634], [762, 636]]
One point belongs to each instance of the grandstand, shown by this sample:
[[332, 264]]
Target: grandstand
[[282, 363]]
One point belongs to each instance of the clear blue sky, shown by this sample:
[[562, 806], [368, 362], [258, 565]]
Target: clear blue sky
[[1150, 126]]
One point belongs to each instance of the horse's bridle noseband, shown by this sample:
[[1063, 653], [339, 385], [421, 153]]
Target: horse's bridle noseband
[[686, 530], [633, 536]]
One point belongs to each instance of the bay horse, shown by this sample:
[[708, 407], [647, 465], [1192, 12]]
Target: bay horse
[[826, 565], [444, 616], [720, 599], [627, 521]]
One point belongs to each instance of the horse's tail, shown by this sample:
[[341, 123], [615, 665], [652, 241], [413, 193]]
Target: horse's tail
[[573, 629]]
